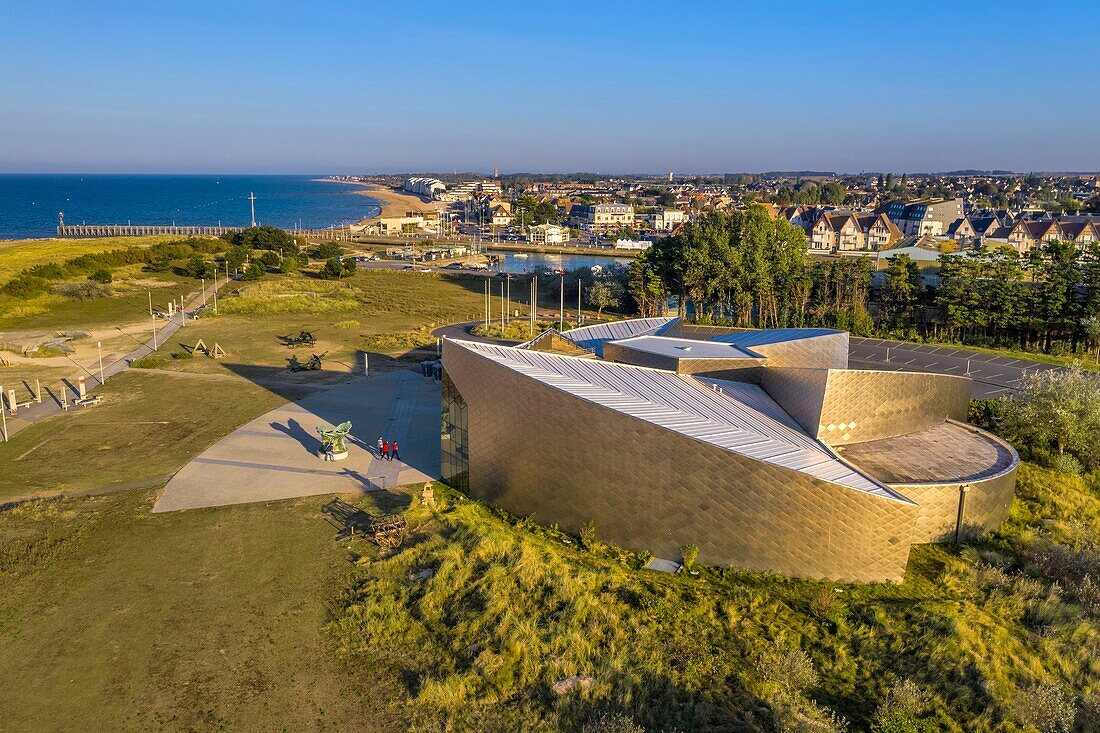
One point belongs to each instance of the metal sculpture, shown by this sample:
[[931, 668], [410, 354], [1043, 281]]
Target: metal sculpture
[[333, 447]]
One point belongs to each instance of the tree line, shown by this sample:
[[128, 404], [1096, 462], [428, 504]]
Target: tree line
[[746, 268]]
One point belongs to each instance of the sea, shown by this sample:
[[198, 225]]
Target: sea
[[30, 204]]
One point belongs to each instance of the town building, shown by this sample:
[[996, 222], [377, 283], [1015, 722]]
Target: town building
[[430, 188], [602, 217], [759, 447], [665, 220], [927, 216], [846, 231], [548, 234]]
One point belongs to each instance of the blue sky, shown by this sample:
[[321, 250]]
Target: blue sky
[[326, 87]]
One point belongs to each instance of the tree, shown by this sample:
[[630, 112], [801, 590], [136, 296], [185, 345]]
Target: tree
[[328, 250], [832, 193], [902, 284], [196, 266], [102, 275], [253, 272], [602, 295], [333, 269], [289, 265], [236, 256], [270, 259], [1056, 413], [1090, 327]]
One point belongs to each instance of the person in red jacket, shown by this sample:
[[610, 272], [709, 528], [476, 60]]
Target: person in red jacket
[[393, 451], [385, 449]]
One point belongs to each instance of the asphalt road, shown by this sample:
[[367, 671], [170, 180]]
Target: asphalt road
[[993, 376]]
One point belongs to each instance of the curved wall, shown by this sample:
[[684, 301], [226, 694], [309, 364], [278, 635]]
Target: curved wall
[[538, 451]]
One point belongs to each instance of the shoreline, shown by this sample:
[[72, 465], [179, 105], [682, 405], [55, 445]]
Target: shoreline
[[393, 203]]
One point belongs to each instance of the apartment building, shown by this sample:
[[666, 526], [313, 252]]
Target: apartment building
[[1025, 235], [428, 187], [930, 217], [846, 231], [602, 217]]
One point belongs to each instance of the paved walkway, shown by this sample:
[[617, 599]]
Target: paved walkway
[[51, 402], [275, 456]]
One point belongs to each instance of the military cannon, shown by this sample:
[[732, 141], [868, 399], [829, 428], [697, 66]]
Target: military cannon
[[314, 363], [304, 338]]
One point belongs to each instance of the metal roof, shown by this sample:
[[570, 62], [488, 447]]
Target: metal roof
[[749, 339], [734, 416], [592, 337], [680, 348]]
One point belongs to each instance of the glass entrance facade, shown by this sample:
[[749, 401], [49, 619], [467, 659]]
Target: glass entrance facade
[[455, 458]]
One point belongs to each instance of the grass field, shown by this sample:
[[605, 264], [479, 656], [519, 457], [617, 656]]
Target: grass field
[[114, 619], [252, 618], [20, 254], [148, 426]]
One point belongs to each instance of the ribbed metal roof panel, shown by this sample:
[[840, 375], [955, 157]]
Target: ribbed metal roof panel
[[592, 337], [735, 416]]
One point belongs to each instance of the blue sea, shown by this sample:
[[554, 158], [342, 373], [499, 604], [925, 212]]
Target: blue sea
[[29, 204]]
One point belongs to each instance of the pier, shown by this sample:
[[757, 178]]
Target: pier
[[78, 231]]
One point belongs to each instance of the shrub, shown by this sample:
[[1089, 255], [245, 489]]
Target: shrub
[[333, 270], [1048, 707], [152, 361], [1065, 463], [690, 554], [182, 355], [88, 290], [25, 287], [270, 260], [289, 265], [1056, 413], [347, 325], [329, 250], [102, 275], [612, 724], [900, 711], [253, 272], [48, 270], [787, 670]]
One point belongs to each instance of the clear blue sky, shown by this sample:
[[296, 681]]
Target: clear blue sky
[[331, 87]]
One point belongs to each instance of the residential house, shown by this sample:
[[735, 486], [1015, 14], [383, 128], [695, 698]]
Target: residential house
[[548, 234], [926, 216]]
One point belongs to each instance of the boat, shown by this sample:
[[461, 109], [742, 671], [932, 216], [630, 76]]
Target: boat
[[521, 255]]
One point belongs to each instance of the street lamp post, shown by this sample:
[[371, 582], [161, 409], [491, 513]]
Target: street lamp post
[[99, 345]]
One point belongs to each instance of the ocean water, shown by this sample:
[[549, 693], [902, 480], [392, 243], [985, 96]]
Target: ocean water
[[29, 204]]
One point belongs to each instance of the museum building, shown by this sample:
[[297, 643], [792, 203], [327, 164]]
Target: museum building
[[758, 446]]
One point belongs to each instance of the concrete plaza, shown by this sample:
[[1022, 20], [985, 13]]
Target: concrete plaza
[[275, 456]]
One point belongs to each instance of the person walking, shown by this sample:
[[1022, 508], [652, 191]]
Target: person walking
[[393, 451], [385, 450], [380, 454]]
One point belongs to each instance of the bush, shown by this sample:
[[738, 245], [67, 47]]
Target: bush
[[270, 260], [152, 361], [900, 711], [182, 355], [348, 325], [690, 555], [328, 250], [1048, 707], [333, 270], [253, 272], [102, 275], [612, 724], [26, 286], [88, 290], [1065, 463], [289, 265], [1056, 413]]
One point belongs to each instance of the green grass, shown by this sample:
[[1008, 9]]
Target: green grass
[[115, 619], [20, 254], [148, 425], [512, 609]]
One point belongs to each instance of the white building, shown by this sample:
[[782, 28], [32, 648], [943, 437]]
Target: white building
[[430, 188], [548, 234], [666, 220]]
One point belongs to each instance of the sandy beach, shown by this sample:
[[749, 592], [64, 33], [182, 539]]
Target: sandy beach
[[394, 203]]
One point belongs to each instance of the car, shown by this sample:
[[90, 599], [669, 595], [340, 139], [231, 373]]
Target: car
[[423, 269], [454, 266]]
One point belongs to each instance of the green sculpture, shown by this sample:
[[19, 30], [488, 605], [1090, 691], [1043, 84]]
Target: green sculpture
[[333, 447]]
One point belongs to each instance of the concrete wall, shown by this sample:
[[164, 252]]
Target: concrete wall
[[537, 451]]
